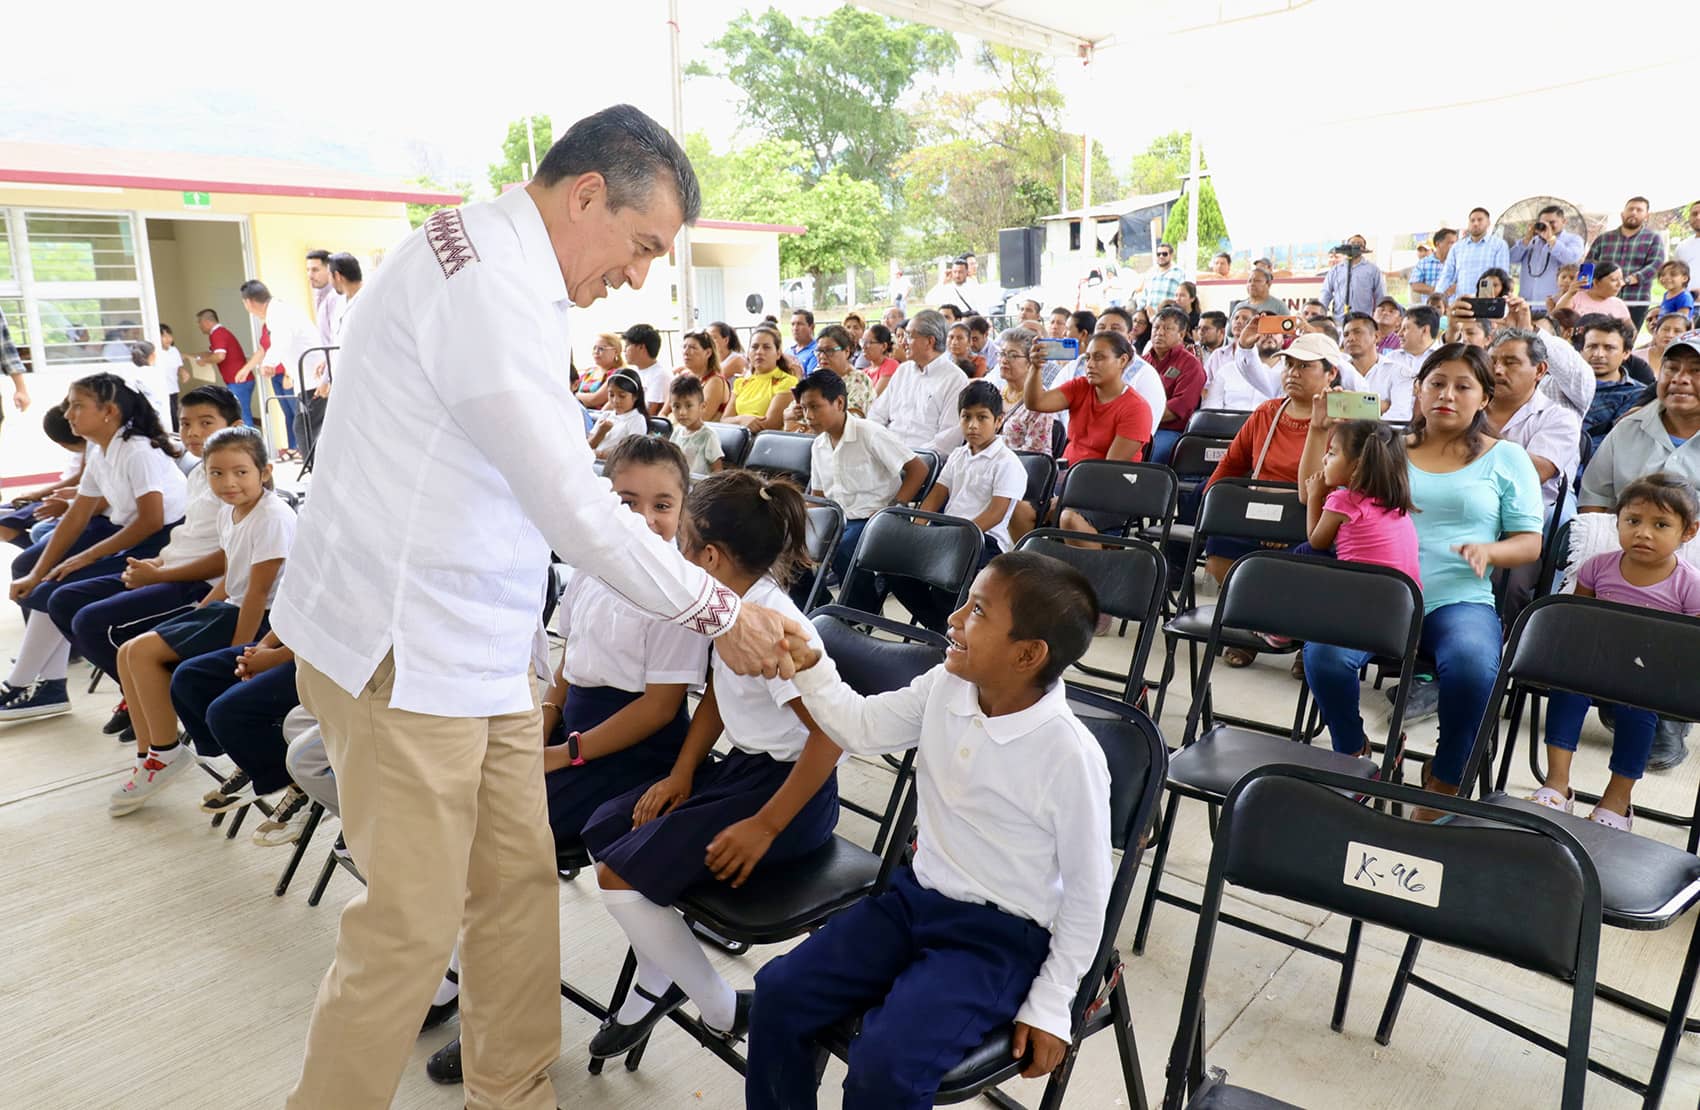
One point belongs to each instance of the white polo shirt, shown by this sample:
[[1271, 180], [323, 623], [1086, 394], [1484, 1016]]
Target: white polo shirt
[[974, 479], [1551, 430], [292, 335], [127, 469], [756, 711], [611, 642], [863, 471], [919, 404], [1013, 810], [452, 462]]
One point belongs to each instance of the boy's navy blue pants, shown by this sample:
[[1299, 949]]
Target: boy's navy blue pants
[[931, 978], [243, 720]]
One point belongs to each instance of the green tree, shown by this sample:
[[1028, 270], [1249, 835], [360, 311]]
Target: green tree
[[763, 183], [1212, 228], [836, 211], [516, 152], [831, 85], [1163, 165], [419, 213]]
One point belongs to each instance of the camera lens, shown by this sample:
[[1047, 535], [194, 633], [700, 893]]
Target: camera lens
[[1288, 325], [1541, 226]]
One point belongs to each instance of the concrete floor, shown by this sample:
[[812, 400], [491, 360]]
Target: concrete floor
[[148, 965]]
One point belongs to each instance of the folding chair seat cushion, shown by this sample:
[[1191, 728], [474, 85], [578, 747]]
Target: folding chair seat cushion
[[1226, 754], [781, 901], [1643, 882], [1194, 624], [1220, 1096]]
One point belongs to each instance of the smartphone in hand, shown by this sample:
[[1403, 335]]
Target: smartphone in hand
[[1347, 405], [1585, 276], [1277, 325], [1058, 350]]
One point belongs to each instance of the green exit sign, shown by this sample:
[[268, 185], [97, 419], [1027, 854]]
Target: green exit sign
[[197, 200]]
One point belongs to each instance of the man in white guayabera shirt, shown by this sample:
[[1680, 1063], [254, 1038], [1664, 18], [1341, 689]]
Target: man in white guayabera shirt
[[452, 463]]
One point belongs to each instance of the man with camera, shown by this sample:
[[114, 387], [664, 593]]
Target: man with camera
[[1352, 285], [1548, 245]]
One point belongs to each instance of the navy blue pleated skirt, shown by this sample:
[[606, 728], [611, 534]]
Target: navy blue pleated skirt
[[662, 859], [577, 792]]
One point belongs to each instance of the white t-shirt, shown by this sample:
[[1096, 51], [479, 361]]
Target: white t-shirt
[[128, 469], [1689, 251], [621, 425], [168, 361], [611, 642], [198, 535], [655, 382], [266, 533], [973, 480], [755, 710]]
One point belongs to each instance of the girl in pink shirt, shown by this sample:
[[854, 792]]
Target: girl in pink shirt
[[1359, 505]]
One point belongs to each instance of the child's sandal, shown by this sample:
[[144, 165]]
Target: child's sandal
[[1618, 821], [1238, 656], [1552, 799]]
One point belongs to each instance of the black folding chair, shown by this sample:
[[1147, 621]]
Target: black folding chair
[[734, 442], [1216, 423], [826, 529], [781, 453], [1041, 479], [1193, 460], [1442, 882], [1235, 508], [783, 901], [1624, 655], [1128, 577], [935, 465], [942, 555], [660, 427], [1140, 496], [1350, 605], [1137, 756]]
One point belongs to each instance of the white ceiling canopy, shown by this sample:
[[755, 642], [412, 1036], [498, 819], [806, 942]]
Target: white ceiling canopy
[[1324, 118]]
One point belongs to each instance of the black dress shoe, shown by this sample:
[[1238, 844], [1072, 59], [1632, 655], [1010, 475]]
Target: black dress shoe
[[740, 1019], [438, 1014], [118, 723], [444, 1064], [614, 1039]]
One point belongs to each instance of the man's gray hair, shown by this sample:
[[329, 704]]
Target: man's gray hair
[[931, 324], [1017, 337], [1532, 341], [631, 152]]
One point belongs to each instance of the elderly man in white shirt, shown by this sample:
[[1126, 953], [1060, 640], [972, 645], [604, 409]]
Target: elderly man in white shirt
[[453, 461], [920, 402]]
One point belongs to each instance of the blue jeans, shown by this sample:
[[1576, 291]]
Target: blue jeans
[[1632, 740], [244, 392], [1463, 639], [1163, 445]]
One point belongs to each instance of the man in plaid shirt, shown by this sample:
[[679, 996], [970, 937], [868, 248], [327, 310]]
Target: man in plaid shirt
[[1164, 280], [14, 367], [1637, 250], [1425, 275]]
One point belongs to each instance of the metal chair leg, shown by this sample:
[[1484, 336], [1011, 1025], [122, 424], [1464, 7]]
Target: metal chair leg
[[1396, 996], [622, 987], [1348, 964], [325, 874], [314, 813], [1149, 905]]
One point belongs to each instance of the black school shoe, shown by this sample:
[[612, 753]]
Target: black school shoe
[[444, 1064], [119, 721], [614, 1039], [740, 1019]]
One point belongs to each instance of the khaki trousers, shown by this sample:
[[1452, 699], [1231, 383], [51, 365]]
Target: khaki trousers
[[446, 818]]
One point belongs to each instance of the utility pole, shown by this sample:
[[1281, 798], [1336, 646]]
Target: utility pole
[[682, 249]]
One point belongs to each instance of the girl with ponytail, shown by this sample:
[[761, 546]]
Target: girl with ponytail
[[774, 798], [131, 468]]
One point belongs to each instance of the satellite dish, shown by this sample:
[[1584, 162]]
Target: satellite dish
[[1514, 223], [753, 304]]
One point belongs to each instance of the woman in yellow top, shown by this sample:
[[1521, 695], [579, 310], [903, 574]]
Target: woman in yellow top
[[760, 398]]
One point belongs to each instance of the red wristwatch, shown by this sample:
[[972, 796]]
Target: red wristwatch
[[577, 760]]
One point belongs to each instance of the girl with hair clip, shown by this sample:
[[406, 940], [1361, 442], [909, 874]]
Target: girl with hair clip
[[1479, 509], [255, 531], [614, 718], [774, 798], [131, 495], [627, 414]]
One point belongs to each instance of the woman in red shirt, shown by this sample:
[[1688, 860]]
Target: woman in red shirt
[[1107, 419]]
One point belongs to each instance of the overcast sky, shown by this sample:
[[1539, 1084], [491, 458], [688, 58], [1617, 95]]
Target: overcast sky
[[370, 85]]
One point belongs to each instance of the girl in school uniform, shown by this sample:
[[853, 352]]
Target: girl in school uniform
[[255, 530], [626, 414], [130, 497], [614, 719], [775, 797]]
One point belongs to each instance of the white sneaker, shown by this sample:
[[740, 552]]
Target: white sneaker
[[146, 779], [287, 821]]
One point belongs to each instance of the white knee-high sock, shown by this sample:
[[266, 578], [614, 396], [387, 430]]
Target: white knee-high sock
[[450, 986], [45, 653], [661, 937]]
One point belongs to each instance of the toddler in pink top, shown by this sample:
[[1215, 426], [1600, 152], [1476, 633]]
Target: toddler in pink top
[[1359, 504]]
